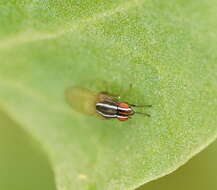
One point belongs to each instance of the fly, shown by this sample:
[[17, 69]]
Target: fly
[[102, 104], [109, 107]]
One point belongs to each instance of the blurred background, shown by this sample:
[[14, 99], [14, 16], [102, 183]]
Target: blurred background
[[200, 173], [24, 167]]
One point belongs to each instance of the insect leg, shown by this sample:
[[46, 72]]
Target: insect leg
[[112, 95], [133, 105], [148, 115]]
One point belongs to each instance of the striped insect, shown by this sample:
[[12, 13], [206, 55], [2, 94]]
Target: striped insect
[[109, 107], [101, 104]]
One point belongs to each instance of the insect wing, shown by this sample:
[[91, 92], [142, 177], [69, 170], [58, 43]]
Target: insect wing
[[82, 100]]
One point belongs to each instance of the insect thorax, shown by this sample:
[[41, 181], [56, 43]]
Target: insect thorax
[[107, 109]]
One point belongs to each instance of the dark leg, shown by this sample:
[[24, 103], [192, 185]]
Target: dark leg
[[148, 115], [133, 105], [113, 95]]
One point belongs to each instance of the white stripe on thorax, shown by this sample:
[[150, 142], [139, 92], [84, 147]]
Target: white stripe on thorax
[[107, 106], [106, 115], [124, 109]]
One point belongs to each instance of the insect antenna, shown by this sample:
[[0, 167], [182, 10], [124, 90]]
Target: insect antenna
[[134, 105], [148, 115]]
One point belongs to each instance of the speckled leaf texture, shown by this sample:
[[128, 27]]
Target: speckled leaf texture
[[159, 52]]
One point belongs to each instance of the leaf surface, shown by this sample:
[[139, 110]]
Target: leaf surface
[[147, 51]]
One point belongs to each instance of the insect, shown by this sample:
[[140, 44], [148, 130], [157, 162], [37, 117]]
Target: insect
[[101, 104], [109, 107]]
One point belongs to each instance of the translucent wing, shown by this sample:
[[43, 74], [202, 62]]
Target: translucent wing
[[82, 100]]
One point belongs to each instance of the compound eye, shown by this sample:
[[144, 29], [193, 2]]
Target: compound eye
[[123, 105], [122, 118]]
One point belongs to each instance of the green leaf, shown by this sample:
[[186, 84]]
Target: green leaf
[[147, 51]]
